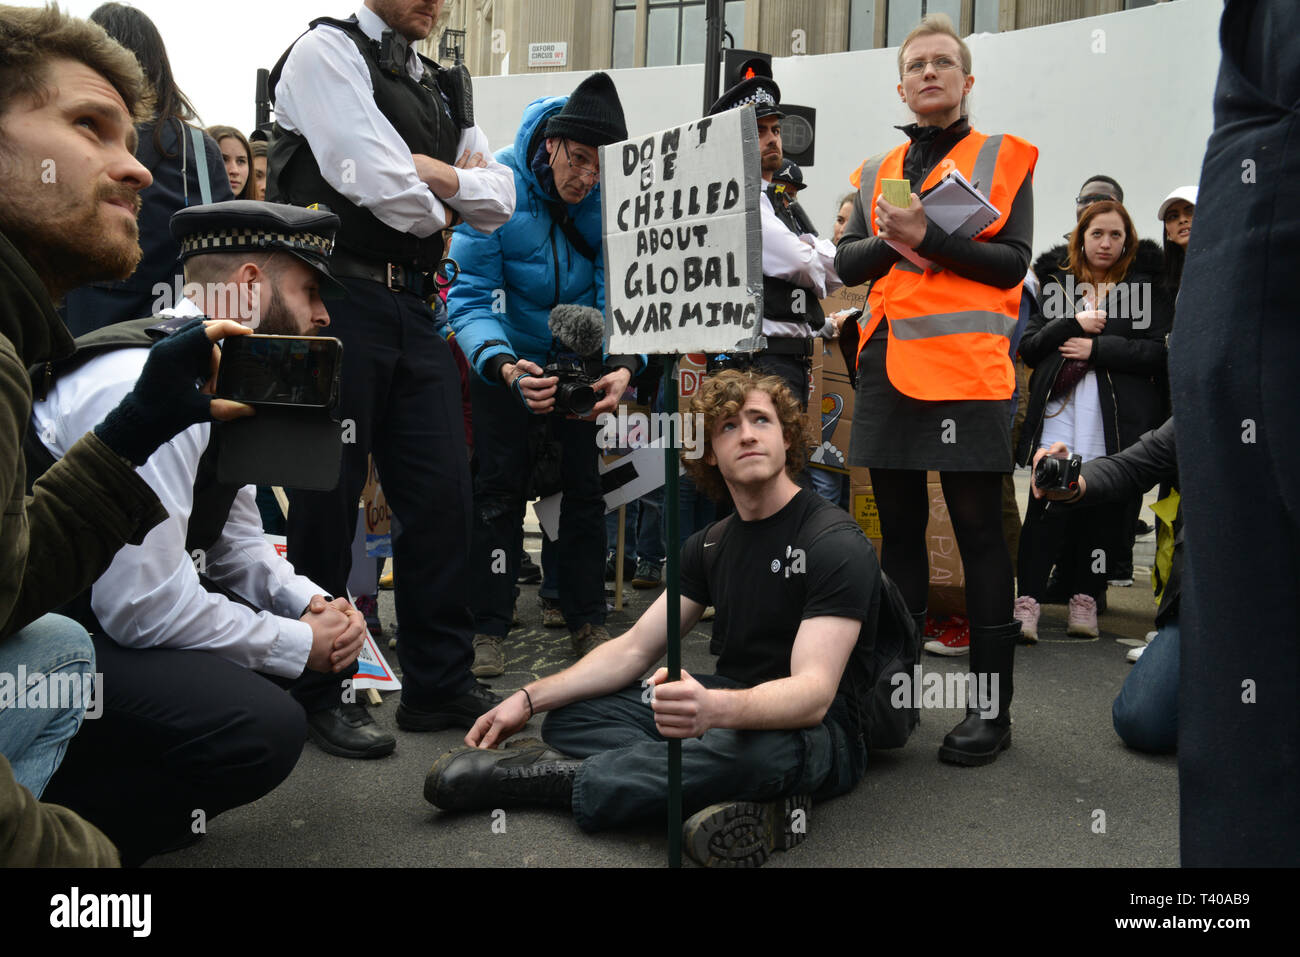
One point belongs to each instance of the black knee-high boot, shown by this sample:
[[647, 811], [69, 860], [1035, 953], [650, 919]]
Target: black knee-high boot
[[979, 739]]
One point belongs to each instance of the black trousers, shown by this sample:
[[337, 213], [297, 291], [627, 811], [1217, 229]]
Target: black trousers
[[184, 736], [400, 394], [1086, 543], [505, 434]]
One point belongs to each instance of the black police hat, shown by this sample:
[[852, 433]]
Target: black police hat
[[789, 173], [761, 91], [246, 225]]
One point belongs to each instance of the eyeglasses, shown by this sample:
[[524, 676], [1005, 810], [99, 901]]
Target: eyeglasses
[[1093, 198], [917, 67], [592, 171]]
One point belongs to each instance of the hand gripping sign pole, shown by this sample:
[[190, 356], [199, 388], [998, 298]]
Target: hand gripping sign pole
[[684, 273]]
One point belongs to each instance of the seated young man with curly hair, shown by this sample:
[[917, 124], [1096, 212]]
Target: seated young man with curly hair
[[777, 724]]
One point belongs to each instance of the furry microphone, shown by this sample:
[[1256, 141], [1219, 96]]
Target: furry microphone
[[581, 329]]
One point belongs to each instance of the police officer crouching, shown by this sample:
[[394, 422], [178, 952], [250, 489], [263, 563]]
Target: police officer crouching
[[201, 627]]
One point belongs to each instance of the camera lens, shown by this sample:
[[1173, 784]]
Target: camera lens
[[1047, 473], [576, 398]]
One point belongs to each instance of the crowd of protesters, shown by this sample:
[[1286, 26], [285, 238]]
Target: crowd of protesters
[[956, 331]]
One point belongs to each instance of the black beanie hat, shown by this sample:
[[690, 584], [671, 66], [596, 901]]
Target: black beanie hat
[[593, 116]]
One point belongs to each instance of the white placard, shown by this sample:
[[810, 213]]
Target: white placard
[[683, 242], [548, 54]]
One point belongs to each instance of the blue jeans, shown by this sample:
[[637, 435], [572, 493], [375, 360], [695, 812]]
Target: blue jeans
[[1146, 711], [624, 775], [644, 536], [695, 510], [34, 739], [832, 486]]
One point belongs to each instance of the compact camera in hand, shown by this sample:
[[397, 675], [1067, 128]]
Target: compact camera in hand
[[1058, 475]]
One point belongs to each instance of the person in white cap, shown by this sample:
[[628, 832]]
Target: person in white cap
[[1176, 214]]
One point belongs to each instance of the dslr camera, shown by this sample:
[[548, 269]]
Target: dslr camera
[[1058, 475], [574, 394], [577, 333]]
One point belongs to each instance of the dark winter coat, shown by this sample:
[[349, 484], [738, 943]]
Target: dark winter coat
[[1129, 356]]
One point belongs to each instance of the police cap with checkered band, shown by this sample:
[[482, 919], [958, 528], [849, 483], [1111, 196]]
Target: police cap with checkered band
[[761, 91], [249, 226]]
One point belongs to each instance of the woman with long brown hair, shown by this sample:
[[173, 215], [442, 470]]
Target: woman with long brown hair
[[1097, 347], [237, 154]]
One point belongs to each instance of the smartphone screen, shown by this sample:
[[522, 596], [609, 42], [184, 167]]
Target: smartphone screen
[[280, 370]]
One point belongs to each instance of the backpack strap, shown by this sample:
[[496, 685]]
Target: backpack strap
[[201, 164], [560, 216]]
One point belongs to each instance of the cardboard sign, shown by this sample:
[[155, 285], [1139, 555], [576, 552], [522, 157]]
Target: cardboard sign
[[833, 398], [625, 478], [372, 667], [947, 576], [682, 238], [377, 516]]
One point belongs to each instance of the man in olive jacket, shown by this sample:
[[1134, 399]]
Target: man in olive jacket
[[69, 185]]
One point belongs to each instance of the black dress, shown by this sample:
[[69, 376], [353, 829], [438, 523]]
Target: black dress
[[893, 430]]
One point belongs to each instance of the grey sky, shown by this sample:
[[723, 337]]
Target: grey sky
[[215, 49]]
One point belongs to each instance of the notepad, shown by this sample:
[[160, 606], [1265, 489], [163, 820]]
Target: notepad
[[952, 204], [958, 208]]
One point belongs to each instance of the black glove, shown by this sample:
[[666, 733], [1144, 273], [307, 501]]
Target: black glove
[[166, 399]]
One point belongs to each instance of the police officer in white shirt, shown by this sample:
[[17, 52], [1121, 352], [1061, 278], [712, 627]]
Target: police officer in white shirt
[[798, 267], [386, 139], [189, 624]]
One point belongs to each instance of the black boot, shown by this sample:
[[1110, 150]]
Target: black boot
[[525, 772], [978, 740], [919, 617]]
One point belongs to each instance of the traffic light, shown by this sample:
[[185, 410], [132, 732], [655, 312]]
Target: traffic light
[[799, 133], [743, 64]]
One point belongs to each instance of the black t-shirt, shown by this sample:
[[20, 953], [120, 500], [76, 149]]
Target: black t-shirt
[[766, 578]]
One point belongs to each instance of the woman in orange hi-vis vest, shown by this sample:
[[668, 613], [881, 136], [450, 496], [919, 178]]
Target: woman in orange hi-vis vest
[[934, 373]]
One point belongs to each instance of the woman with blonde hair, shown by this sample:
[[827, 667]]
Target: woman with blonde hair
[[934, 370]]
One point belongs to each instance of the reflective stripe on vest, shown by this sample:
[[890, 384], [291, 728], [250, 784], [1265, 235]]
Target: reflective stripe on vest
[[949, 337]]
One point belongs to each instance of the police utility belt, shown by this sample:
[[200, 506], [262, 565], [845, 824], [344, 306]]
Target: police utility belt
[[800, 347], [399, 277]]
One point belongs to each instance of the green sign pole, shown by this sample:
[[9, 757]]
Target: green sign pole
[[674, 605]]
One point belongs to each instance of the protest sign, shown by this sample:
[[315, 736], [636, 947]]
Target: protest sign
[[682, 238]]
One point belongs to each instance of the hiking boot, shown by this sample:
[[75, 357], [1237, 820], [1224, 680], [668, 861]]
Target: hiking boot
[[955, 639], [745, 833], [1027, 612], [979, 740], [1083, 617], [552, 617], [526, 773], [648, 575], [489, 659], [586, 638]]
